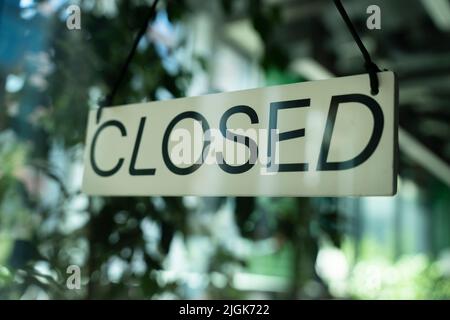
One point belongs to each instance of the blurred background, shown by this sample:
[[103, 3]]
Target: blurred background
[[190, 247]]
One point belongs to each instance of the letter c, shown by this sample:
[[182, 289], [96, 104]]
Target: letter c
[[97, 170]]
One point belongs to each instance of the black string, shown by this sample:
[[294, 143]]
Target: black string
[[108, 101], [370, 66]]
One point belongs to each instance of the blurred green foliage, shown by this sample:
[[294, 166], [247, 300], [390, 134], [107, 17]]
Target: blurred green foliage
[[412, 277]]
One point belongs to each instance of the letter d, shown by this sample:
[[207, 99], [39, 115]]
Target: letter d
[[377, 113]]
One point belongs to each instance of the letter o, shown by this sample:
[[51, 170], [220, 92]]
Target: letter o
[[165, 144]]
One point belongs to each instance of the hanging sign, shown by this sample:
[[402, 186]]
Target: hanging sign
[[321, 138]]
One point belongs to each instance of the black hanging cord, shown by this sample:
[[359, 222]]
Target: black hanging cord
[[108, 101], [370, 66]]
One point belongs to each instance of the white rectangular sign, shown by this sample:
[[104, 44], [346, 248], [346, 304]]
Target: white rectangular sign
[[321, 138]]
